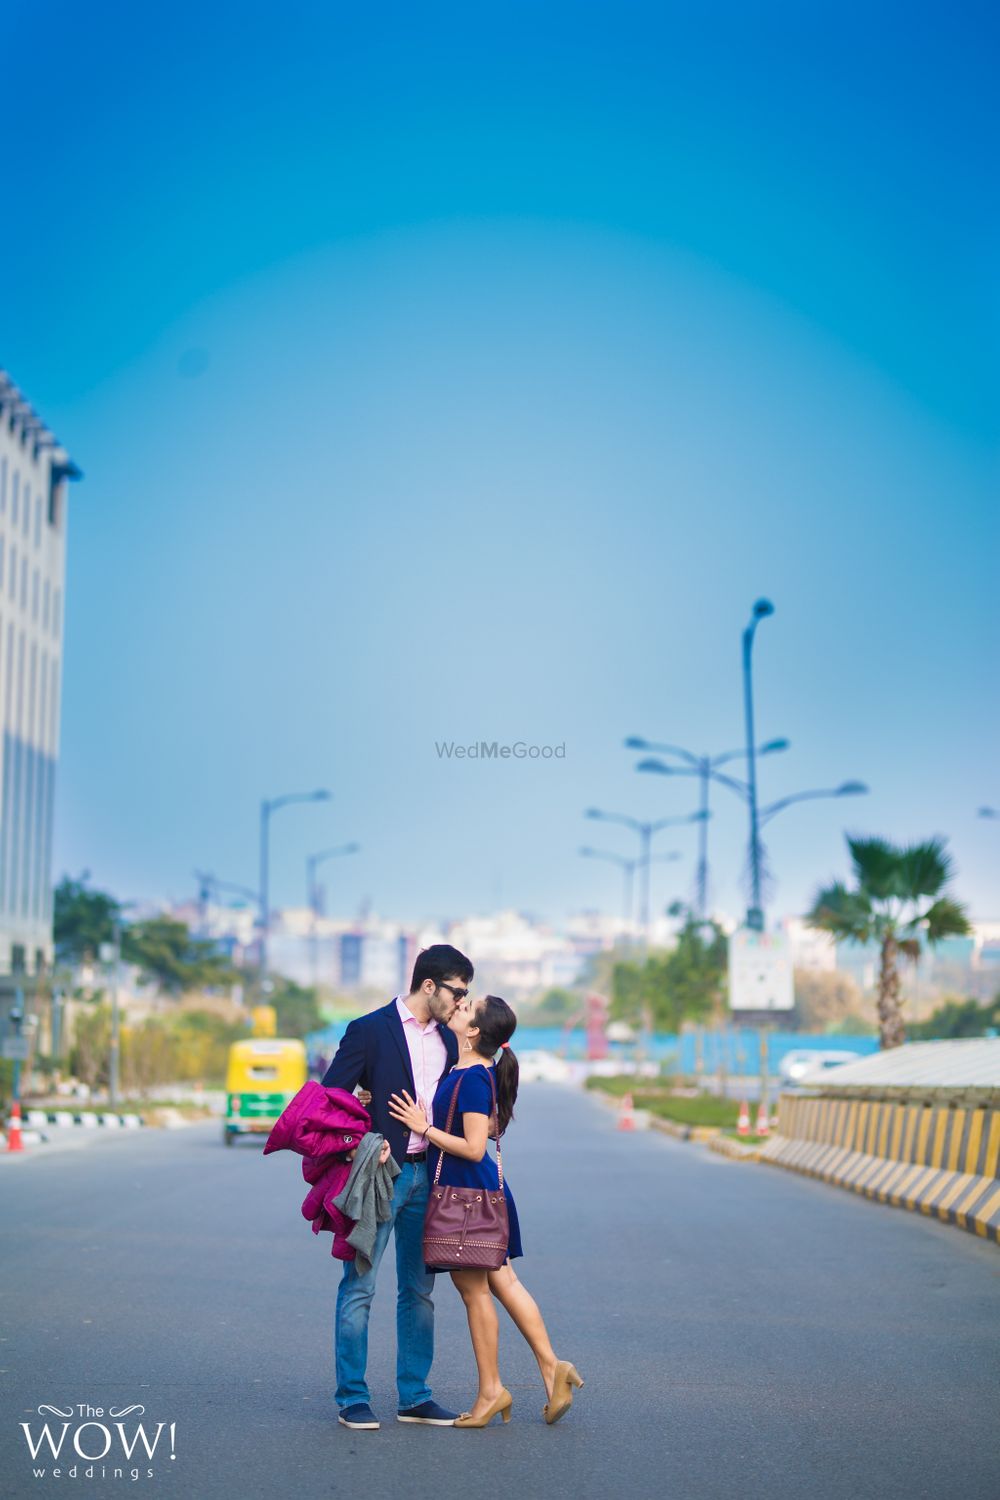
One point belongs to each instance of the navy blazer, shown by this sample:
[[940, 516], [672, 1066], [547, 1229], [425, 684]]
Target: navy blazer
[[373, 1052]]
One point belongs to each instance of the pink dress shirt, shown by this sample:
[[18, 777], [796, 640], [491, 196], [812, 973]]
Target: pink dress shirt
[[428, 1059]]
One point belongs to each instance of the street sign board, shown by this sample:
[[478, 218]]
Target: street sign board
[[760, 971], [16, 1048]]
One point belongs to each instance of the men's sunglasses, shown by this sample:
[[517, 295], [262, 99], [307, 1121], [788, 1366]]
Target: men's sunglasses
[[458, 994]]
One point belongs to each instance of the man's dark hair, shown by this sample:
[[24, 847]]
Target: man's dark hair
[[439, 962]]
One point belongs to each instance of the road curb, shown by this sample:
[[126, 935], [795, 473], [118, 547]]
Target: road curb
[[939, 1158], [86, 1119], [684, 1132], [738, 1150]]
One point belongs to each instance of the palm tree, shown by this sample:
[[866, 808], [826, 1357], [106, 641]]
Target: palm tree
[[898, 903]]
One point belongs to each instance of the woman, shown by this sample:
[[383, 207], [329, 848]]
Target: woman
[[483, 1030]]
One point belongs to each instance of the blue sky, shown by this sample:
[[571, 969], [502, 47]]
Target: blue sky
[[459, 373]]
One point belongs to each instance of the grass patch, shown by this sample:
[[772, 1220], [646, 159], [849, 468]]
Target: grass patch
[[705, 1110], [749, 1140], [654, 1095]]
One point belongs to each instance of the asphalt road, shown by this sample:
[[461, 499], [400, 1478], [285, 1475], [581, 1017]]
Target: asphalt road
[[744, 1333]]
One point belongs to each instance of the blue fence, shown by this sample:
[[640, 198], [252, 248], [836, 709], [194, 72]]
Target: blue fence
[[739, 1046]]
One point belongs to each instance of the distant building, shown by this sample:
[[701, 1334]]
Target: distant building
[[811, 950], [516, 956], [34, 478]]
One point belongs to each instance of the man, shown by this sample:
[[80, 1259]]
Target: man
[[403, 1045]]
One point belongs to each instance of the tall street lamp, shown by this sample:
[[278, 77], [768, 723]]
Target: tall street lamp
[[742, 788], [313, 862], [267, 807], [705, 767], [628, 870], [646, 832], [755, 914], [210, 885]]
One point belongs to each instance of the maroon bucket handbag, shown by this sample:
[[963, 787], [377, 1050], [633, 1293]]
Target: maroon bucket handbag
[[466, 1226]]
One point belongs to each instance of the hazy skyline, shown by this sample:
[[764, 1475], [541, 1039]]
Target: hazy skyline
[[464, 376]]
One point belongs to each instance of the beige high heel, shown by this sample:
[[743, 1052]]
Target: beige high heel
[[502, 1404], [563, 1381]]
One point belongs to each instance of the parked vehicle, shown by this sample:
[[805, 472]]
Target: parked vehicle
[[537, 1066], [263, 1075], [799, 1065]]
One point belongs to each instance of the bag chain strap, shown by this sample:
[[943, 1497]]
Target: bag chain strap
[[450, 1121]]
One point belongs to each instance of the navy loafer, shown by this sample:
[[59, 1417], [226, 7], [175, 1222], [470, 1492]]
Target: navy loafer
[[360, 1417], [429, 1413]]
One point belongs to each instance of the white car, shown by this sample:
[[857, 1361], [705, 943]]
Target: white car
[[542, 1067], [800, 1065]]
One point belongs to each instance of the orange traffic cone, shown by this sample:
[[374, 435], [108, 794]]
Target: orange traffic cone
[[626, 1119], [762, 1127], [14, 1142], [743, 1123]]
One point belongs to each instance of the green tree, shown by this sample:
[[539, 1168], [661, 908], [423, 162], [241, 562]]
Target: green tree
[[149, 1055], [556, 1004], [696, 971], [958, 1018], [167, 954], [201, 1040], [688, 983], [297, 1009], [90, 1055], [82, 919], [898, 902], [825, 1000]]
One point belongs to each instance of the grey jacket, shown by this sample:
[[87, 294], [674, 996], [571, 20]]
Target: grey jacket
[[367, 1197]]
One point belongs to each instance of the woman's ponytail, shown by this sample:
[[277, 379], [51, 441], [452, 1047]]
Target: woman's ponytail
[[508, 1073], [497, 1024]]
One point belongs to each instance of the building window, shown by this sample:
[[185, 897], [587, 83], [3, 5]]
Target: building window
[[15, 495], [3, 485], [45, 596], [26, 517], [34, 596], [17, 958], [12, 583], [39, 960], [24, 583], [56, 612], [38, 520], [55, 494]]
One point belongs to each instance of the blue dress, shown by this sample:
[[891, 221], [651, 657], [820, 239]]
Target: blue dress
[[476, 1098]]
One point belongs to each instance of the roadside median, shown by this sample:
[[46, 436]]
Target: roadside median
[[938, 1154], [684, 1113]]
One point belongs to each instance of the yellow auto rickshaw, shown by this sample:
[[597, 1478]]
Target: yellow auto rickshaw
[[262, 1076]]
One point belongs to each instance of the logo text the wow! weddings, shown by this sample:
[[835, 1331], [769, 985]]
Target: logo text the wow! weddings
[[82, 1436]]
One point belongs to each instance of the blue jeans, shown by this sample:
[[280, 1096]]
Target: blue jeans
[[414, 1306]]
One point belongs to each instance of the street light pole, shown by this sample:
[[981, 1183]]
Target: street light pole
[[706, 768], [267, 807], [110, 953], [645, 843], [755, 914], [646, 832], [313, 862], [628, 868], [701, 878]]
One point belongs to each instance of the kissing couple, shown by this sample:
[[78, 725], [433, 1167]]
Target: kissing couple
[[442, 1079]]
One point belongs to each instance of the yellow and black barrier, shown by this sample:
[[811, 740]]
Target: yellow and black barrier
[[940, 1158]]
